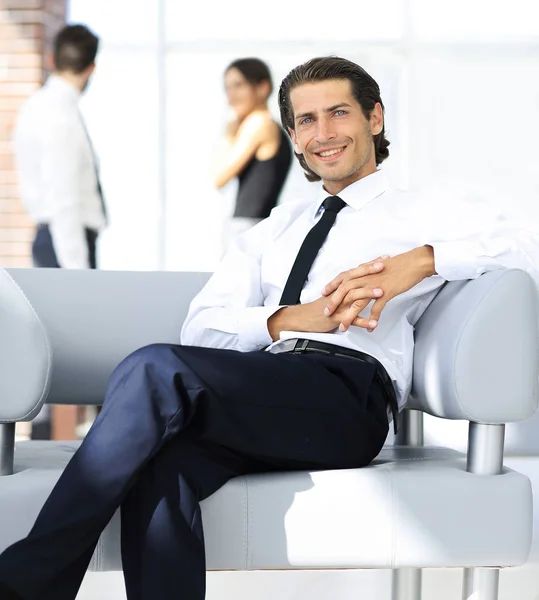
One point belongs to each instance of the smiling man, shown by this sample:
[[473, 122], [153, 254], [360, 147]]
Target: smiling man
[[295, 355], [333, 134]]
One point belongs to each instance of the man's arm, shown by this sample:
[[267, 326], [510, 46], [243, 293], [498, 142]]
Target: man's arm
[[229, 311], [467, 239], [476, 237], [61, 172]]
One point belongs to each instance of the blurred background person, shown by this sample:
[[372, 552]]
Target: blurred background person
[[256, 149], [58, 178], [58, 175]]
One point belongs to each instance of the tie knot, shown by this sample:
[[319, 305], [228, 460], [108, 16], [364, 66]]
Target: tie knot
[[334, 204]]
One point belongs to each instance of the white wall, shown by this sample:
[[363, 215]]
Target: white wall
[[459, 80]]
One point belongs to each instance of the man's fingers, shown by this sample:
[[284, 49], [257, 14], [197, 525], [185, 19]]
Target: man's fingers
[[349, 297], [351, 292], [374, 266], [370, 323], [352, 313], [365, 323], [377, 308], [333, 285], [336, 299], [362, 293]]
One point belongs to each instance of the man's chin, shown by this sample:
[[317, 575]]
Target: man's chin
[[332, 175], [327, 173]]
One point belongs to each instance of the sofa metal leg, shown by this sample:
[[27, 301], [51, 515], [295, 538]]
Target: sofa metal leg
[[411, 429], [485, 457], [7, 448], [406, 584], [480, 584], [485, 449]]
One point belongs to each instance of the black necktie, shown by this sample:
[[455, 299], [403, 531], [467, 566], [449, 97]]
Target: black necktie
[[309, 249], [96, 168]]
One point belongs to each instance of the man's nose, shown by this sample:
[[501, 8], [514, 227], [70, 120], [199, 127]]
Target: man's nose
[[325, 131]]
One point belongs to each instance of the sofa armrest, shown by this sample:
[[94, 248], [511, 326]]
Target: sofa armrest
[[68, 329], [477, 350], [25, 355]]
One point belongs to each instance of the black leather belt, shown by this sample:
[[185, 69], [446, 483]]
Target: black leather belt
[[302, 346]]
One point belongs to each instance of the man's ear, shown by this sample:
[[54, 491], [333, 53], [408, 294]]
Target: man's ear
[[49, 62], [377, 119], [294, 141]]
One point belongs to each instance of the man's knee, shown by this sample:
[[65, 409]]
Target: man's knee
[[146, 362], [150, 353], [152, 375]]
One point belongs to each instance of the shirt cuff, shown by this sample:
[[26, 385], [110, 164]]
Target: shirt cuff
[[454, 261], [253, 331]]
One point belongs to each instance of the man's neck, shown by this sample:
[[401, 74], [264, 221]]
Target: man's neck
[[336, 187], [74, 80]]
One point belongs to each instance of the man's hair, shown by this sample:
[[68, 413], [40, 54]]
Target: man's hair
[[75, 49], [254, 70], [364, 88]]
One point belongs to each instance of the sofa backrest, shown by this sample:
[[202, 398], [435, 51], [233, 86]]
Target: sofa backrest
[[93, 319], [476, 358]]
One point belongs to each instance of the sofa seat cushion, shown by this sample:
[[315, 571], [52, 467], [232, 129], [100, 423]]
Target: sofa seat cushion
[[413, 507]]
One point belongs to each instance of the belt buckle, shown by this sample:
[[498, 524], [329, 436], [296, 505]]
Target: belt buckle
[[284, 346]]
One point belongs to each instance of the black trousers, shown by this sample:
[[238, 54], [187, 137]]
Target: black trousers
[[43, 253], [177, 423]]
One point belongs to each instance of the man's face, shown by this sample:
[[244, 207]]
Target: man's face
[[332, 133]]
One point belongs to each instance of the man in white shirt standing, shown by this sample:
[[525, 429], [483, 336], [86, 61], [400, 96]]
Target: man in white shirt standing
[[58, 175], [293, 356]]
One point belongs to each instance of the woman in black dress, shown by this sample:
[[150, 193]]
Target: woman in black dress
[[257, 150]]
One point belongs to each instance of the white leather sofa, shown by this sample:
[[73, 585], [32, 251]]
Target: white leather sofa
[[62, 333]]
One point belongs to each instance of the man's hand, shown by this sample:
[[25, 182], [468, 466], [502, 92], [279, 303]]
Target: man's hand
[[311, 317], [398, 275]]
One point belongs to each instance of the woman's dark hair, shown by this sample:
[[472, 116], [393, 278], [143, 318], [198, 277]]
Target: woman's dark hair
[[254, 70], [365, 89], [75, 49]]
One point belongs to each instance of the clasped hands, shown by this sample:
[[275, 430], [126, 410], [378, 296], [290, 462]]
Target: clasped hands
[[348, 294]]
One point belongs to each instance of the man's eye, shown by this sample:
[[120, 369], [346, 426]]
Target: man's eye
[[306, 121], [340, 113]]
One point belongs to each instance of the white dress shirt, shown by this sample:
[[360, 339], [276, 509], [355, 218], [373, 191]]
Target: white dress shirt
[[469, 238], [57, 174]]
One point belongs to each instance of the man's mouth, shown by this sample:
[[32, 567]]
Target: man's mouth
[[330, 154]]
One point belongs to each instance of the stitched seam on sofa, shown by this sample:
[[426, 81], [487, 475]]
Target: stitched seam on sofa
[[401, 460], [470, 417], [43, 395]]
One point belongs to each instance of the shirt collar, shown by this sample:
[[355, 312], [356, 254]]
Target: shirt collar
[[63, 87], [359, 193]]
